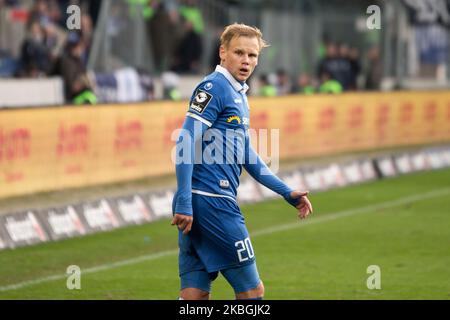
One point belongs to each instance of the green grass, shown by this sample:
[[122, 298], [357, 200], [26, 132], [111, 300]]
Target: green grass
[[323, 257]]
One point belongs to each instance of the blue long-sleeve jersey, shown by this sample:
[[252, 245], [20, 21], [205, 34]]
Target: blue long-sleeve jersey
[[214, 144]]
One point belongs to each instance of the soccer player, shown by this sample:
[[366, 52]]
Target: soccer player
[[213, 237]]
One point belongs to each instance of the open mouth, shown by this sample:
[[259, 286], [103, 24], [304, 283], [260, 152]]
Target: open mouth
[[244, 70]]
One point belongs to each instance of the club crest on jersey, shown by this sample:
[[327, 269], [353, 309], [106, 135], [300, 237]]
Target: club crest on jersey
[[200, 101]]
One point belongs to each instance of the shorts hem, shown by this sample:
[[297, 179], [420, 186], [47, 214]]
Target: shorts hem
[[230, 266]]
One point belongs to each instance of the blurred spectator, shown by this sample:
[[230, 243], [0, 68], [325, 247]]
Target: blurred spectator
[[54, 39], [70, 67], [355, 68], [374, 72], [54, 12], [163, 30], [190, 11], [87, 34], [266, 89], [343, 50], [329, 85], [8, 65], [35, 55], [284, 83], [189, 51], [42, 41], [146, 8], [336, 64], [38, 12], [345, 69], [305, 84]]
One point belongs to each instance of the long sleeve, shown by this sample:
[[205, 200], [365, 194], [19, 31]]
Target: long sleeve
[[261, 173], [191, 134]]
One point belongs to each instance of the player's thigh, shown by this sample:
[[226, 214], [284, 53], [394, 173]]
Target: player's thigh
[[245, 281]]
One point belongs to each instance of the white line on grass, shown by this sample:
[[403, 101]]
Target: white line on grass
[[283, 227]]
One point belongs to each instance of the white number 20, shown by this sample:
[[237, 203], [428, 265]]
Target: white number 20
[[244, 245]]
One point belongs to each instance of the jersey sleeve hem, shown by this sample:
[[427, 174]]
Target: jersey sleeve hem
[[197, 117]]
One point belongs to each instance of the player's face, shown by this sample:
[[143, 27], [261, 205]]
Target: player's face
[[240, 57]]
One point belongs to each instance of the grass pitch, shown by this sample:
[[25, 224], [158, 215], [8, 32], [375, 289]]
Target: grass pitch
[[401, 225]]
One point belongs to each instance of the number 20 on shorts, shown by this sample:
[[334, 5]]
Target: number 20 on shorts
[[244, 246]]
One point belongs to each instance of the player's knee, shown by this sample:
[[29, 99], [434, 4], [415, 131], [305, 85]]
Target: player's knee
[[260, 290], [194, 294], [257, 292]]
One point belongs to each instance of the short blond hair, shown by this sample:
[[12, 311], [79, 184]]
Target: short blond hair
[[242, 30]]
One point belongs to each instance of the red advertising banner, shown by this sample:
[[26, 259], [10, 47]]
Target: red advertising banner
[[44, 149]]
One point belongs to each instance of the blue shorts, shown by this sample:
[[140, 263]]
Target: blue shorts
[[242, 279], [218, 241]]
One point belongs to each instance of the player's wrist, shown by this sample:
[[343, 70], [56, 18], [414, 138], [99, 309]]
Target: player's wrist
[[183, 209], [184, 213], [292, 201]]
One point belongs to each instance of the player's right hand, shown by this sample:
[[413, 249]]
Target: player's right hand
[[183, 222], [304, 206]]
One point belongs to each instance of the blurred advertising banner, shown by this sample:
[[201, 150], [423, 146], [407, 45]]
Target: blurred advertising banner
[[318, 125], [44, 149]]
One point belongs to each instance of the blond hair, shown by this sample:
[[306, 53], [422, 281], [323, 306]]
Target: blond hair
[[242, 30]]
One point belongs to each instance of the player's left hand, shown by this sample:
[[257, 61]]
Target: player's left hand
[[304, 206]]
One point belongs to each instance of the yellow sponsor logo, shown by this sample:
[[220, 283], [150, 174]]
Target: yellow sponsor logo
[[234, 118]]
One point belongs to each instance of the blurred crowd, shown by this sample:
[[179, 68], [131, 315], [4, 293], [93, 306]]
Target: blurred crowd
[[175, 30], [338, 71], [48, 47]]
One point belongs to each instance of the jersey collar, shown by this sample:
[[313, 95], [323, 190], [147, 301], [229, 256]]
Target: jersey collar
[[236, 85]]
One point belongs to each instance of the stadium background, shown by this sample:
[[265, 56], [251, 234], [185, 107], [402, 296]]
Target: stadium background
[[85, 155]]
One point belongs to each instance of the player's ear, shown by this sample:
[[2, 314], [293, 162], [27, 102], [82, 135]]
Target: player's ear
[[222, 52]]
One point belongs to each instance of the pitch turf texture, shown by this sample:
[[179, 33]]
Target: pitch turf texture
[[401, 225]]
